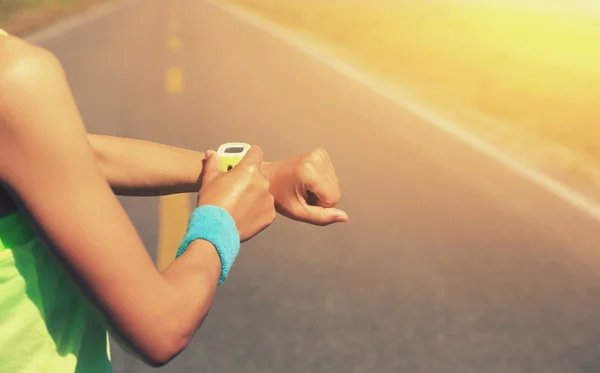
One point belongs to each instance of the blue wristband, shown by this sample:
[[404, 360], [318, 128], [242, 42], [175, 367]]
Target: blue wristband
[[214, 224]]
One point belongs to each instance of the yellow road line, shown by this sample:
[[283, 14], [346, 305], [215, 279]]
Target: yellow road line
[[173, 210], [174, 80], [173, 213], [174, 43]]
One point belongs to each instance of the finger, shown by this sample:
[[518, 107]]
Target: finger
[[212, 167], [323, 216], [321, 183], [254, 157], [324, 193]]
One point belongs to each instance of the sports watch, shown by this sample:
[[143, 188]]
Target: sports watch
[[231, 154]]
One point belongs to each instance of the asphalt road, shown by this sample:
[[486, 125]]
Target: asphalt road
[[449, 263]]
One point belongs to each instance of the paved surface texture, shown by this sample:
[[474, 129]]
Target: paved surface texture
[[450, 263]]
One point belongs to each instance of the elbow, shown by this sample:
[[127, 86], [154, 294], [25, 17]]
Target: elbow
[[157, 345], [158, 361], [161, 329], [160, 356], [164, 349]]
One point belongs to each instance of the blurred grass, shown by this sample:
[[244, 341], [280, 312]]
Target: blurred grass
[[20, 17], [537, 72]]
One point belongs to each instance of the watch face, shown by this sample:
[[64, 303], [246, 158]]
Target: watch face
[[234, 150]]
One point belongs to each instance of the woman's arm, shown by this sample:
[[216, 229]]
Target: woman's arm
[[143, 168], [46, 159], [135, 167]]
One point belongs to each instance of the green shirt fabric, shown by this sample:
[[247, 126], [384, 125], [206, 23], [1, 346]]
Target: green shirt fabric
[[46, 324]]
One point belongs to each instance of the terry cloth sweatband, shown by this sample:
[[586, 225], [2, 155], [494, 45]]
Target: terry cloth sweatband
[[214, 224]]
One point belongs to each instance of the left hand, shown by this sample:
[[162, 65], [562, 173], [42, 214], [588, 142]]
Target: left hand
[[306, 188]]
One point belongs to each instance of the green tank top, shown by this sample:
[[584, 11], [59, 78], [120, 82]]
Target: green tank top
[[46, 324]]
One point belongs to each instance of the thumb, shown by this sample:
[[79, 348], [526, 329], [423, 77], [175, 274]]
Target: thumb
[[324, 216], [253, 157], [212, 167]]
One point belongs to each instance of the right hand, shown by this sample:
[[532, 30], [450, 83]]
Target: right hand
[[242, 191]]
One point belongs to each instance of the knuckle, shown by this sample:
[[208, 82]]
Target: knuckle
[[319, 154], [307, 169], [312, 157], [322, 152], [37, 63], [252, 169]]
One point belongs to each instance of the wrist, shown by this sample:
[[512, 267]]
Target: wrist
[[268, 169], [215, 225], [203, 254], [194, 183], [200, 257]]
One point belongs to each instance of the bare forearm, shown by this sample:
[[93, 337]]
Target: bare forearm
[[136, 167], [185, 295], [194, 278], [142, 168]]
